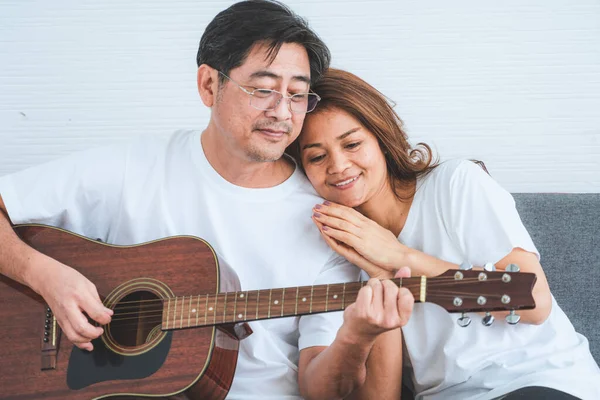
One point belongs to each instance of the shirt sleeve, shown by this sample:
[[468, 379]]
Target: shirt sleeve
[[483, 218], [79, 193], [321, 329]]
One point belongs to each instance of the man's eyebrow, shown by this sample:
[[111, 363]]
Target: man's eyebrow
[[341, 137], [272, 75]]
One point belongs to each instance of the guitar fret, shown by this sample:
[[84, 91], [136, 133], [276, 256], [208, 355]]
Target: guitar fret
[[215, 309], [257, 302], [235, 307], [335, 297], [246, 307], [303, 300], [197, 309], [270, 293], [282, 301], [168, 312], [206, 310], [344, 297], [326, 297], [181, 319], [190, 312], [312, 288], [319, 295], [296, 309], [351, 289], [175, 313]]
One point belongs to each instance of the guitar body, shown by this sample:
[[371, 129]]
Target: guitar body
[[149, 363]]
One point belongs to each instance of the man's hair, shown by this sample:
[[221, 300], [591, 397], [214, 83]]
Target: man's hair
[[230, 36]]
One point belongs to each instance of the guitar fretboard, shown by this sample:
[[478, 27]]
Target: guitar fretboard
[[233, 307]]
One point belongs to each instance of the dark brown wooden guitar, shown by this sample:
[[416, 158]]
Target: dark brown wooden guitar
[[159, 291]]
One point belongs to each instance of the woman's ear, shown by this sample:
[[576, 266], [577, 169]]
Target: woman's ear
[[208, 84]]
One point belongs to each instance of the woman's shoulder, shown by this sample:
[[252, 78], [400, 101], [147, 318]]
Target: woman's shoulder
[[455, 166], [453, 171]]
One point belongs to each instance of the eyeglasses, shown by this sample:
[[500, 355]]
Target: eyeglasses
[[267, 99]]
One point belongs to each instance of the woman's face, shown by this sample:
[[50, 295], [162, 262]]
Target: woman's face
[[342, 160]]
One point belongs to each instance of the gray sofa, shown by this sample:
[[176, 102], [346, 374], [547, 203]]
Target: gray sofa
[[566, 230]]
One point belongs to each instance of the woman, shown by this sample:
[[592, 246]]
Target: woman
[[391, 205]]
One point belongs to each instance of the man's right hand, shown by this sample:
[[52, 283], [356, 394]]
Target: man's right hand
[[69, 295]]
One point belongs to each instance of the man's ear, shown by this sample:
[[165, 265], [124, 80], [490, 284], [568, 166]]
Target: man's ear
[[207, 84]]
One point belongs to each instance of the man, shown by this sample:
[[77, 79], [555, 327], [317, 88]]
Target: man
[[230, 186]]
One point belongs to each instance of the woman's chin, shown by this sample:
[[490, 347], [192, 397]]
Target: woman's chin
[[345, 201]]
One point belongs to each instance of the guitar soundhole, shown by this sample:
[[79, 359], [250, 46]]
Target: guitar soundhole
[[137, 319]]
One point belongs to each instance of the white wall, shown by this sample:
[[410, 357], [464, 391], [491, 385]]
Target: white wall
[[514, 83]]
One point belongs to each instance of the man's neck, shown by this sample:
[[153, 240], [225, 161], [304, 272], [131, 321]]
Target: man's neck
[[241, 171]]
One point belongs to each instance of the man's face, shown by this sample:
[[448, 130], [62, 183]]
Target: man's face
[[257, 135]]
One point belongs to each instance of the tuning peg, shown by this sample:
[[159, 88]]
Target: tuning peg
[[512, 268], [513, 318], [488, 319], [489, 267], [466, 266], [464, 321]]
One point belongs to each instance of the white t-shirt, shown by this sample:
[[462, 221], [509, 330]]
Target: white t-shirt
[[154, 188], [460, 213]]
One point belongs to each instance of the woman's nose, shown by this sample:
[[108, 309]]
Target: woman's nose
[[338, 163]]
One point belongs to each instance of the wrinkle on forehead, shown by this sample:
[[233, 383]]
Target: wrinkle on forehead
[[291, 57]]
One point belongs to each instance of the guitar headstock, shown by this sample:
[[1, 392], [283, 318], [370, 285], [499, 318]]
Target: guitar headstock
[[460, 291]]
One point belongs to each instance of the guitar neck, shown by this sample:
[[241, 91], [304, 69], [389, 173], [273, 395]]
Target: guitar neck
[[455, 291], [234, 307]]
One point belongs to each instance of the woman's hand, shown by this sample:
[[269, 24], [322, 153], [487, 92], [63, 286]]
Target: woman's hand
[[360, 240]]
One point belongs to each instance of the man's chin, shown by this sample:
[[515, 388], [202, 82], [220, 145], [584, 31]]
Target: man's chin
[[262, 156]]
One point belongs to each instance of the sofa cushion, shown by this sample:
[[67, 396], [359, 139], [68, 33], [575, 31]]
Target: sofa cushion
[[566, 231]]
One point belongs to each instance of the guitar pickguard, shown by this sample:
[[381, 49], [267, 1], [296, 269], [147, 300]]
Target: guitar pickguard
[[87, 368]]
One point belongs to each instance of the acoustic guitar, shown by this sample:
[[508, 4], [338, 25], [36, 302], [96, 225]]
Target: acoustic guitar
[[178, 318]]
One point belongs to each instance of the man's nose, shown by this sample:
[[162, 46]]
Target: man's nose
[[281, 112]]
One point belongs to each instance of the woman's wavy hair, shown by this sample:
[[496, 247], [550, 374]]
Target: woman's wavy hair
[[347, 92]]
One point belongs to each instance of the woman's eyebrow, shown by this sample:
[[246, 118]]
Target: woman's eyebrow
[[342, 136]]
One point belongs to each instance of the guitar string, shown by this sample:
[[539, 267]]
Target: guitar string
[[157, 318], [465, 295], [413, 280], [431, 286], [154, 316], [431, 283], [158, 313]]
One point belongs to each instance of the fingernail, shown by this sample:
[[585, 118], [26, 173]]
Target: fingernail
[[317, 215], [317, 206], [327, 202], [325, 228]]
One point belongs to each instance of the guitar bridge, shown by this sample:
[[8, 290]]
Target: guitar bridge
[[50, 340]]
